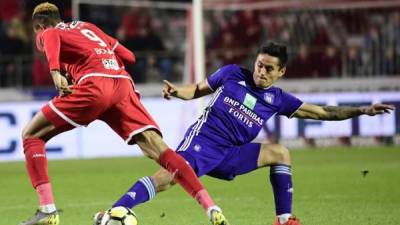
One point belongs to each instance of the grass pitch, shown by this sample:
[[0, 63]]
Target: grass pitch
[[330, 188]]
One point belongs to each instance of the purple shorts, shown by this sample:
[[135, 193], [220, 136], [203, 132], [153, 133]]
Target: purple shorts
[[219, 162]]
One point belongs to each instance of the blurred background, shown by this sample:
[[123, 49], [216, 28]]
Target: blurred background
[[342, 52]]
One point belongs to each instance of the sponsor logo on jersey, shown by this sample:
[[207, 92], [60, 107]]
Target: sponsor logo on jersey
[[110, 64], [249, 101], [243, 112], [269, 97]]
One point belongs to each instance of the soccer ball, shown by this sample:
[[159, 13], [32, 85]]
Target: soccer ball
[[119, 216]]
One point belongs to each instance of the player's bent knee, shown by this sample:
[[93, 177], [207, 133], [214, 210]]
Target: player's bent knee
[[40, 127], [281, 154], [273, 154], [26, 133], [151, 143]]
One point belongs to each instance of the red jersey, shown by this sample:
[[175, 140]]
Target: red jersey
[[82, 49]]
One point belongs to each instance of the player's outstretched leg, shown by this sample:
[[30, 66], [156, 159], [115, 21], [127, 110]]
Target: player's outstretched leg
[[277, 157], [152, 144], [142, 191], [146, 188]]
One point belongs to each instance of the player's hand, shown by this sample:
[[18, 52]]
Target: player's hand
[[61, 84], [64, 91], [377, 109], [63, 88], [169, 90]]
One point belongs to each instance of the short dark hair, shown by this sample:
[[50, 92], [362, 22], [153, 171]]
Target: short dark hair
[[275, 50]]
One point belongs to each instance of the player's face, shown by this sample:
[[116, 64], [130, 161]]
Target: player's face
[[266, 70]]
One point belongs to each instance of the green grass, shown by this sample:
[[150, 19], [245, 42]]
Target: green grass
[[329, 189]]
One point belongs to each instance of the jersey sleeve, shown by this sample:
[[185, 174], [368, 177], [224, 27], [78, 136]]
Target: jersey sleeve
[[124, 54], [50, 39], [289, 104], [218, 78], [120, 51]]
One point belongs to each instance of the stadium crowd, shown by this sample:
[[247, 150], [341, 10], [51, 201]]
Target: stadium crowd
[[322, 43]]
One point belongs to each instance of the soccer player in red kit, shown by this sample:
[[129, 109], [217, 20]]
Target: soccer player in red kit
[[101, 89]]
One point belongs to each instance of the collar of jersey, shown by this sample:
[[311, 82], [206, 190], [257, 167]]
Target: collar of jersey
[[59, 24]]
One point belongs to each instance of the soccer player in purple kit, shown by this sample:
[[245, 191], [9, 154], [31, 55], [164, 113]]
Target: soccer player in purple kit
[[219, 144]]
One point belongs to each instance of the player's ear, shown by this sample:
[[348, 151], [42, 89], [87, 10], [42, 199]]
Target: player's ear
[[282, 71]]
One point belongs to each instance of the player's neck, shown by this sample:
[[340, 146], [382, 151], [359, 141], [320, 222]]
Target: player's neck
[[268, 87], [54, 24]]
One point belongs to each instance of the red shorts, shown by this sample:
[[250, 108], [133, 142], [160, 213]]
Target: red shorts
[[112, 100]]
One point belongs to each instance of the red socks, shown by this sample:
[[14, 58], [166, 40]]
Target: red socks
[[36, 164], [45, 194], [36, 161], [204, 199], [186, 177]]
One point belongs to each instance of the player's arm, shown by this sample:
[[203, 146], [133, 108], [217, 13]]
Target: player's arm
[[61, 83], [124, 54], [186, 92], [119, 50], [51, 46], [310, 111]]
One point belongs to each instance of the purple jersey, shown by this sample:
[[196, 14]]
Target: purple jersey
[[238, 109]]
